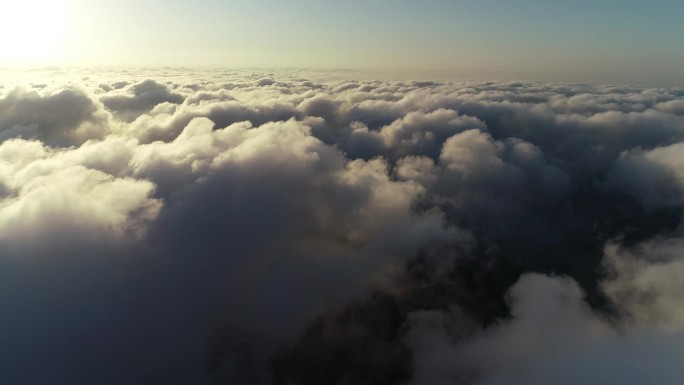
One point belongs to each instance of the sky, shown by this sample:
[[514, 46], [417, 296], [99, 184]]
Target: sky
[[529, 36]]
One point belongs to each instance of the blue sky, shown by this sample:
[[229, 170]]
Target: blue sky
[[527, 35]]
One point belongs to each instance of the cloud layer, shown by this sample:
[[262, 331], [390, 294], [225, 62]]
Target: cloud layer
[[256, 228]]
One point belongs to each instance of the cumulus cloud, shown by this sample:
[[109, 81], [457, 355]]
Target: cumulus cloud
[[644, 282], [170, 226], [140, 97], [553, 337], [59, 117], [654, 177]]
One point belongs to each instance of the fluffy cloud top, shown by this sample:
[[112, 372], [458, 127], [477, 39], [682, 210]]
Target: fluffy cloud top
[[255, 228]]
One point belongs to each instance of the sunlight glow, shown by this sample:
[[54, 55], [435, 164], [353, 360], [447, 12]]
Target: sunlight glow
[[32, 30]]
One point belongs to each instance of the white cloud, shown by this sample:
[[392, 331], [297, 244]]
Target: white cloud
[[552, 338], [148, 227]]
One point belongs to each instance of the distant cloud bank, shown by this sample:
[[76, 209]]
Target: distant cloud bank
[[288, 228]]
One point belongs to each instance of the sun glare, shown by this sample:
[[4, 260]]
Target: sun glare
[[32, 30]]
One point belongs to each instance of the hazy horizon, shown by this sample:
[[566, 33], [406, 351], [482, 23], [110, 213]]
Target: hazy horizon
[[323, 73]]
